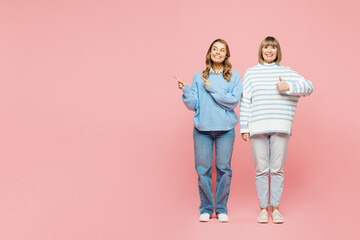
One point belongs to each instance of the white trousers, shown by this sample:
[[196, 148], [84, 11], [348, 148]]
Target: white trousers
[[269, 154]]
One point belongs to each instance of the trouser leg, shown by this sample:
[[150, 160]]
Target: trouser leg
[[261, 157], [278, 151], [203, 147], [223, 151]]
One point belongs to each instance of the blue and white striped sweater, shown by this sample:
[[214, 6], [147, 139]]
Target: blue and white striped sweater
[[263, 108]]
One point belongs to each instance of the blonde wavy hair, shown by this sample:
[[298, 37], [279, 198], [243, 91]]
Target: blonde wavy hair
[[226, 64]]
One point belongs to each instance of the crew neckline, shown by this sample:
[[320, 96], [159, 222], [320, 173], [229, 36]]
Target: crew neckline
[[268, 64]]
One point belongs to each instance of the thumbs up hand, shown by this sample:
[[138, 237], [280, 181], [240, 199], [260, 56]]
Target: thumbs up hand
[[282, 86]]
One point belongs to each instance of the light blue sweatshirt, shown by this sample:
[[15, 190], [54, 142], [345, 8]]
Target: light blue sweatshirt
[[214, 107]]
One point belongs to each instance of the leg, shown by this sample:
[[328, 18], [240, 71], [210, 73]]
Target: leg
[[260, 151], [224, 143], [278, 152], [203, 147]]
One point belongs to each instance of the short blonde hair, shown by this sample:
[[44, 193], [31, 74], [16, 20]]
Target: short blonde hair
[[270, 41]]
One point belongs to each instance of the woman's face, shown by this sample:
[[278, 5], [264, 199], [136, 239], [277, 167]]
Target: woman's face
[[269, 53], [218, 52]]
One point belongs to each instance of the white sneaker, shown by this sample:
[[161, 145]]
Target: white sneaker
[[263, 216], [204, 217], [276, 217], [223, 217]]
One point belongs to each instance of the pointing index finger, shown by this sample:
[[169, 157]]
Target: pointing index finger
[[204, 79], [177, 79]]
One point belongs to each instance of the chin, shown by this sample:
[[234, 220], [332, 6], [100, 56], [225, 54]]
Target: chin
[[218, 60]]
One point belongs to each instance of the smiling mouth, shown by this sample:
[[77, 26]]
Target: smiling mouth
[[218, 57]]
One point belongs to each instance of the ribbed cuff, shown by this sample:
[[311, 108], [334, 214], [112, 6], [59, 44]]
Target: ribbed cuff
[[211, 88], [186, 90], [290, 89]]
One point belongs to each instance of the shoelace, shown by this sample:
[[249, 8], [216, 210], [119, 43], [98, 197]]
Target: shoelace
[[276, 214], [263, 213]]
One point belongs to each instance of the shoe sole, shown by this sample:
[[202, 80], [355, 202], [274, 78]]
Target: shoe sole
[[222, 221], [204, 220], [278, 222]]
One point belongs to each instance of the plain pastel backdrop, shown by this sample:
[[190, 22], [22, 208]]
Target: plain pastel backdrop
[[95, 142]]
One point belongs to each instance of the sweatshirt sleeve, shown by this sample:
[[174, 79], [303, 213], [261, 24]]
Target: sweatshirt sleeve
[[190, 95], [245, 106], [299, 86], [227, 100]]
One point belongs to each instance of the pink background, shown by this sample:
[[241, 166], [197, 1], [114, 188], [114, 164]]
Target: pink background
[[95, 142]]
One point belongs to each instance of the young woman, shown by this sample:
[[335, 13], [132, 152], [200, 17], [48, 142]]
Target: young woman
[[267, 109], [213, 95]]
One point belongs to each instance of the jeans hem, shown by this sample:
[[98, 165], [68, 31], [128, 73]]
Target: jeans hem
[[275, 205], [217, 213], [206, 212]]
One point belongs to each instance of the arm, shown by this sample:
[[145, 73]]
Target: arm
[[227, 100], [245, 106], [298, 86], [190, 95]]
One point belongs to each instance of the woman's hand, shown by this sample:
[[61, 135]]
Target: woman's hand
[[282, 86], [180, 83], [245, 136], [206, 82]]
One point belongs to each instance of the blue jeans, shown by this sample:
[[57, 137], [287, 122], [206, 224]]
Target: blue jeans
[[203, 146]]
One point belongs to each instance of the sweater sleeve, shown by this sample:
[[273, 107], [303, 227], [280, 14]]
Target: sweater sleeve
[[227, 100], [245, 106], [299, 86], [190, 95]]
